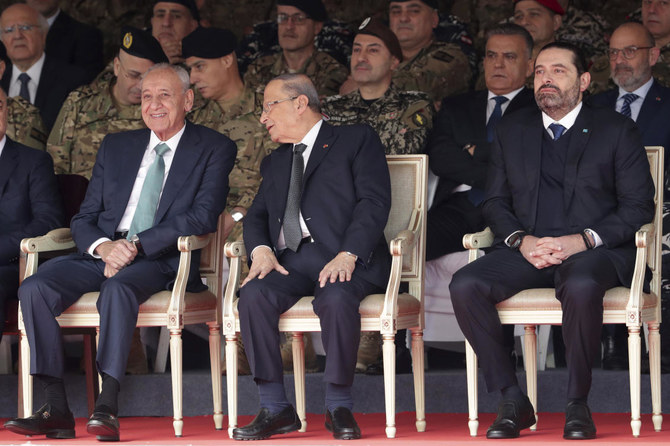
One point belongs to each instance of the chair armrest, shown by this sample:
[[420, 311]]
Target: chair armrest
[[643, 240], [478, 240], [234, 251], [55, 240], [193, 242], [402, 242]]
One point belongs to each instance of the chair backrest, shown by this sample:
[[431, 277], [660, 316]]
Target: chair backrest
[[211, 261], [655, 156], [409, 174], [72, 189]]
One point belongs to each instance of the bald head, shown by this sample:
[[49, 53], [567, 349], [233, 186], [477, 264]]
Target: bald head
[[632, 54]]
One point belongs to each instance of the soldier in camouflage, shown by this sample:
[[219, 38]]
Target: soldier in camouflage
[[401, 118], [299, 21], [171, 21], [93, 111], [656, 18], [437, 68], [587, 30]]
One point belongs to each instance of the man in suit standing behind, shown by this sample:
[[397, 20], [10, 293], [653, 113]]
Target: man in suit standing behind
[[459, 147], [148, 187], [639, 96], [315, 228], [568, 187], [29, 204]]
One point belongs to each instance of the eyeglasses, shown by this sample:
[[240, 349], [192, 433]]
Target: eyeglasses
[[297, 19], [22, 28], [268, 106], [628, 52]]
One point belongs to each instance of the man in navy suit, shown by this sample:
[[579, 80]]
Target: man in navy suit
[[640, 97], [41, 79], [29, 204], [316, 227], [148, 187], [460, 145], [568, 187]]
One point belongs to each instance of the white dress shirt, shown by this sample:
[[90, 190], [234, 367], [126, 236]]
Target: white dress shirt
[[3, 141], [53, 18], [148, 159], [34, 72], [636, 105]]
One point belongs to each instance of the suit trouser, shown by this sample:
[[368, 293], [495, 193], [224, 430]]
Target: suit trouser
[[580, 282], [60, 282], [9, 283], [448, 222], [262, 301]]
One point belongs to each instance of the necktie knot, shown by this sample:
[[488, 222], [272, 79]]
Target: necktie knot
[[161, 148], [628, 98], [24, 78], [500, 100], [299, 148], [557, 129]]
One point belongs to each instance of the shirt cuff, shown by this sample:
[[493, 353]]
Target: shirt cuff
[[254, 250], [596, 238], [95, 244]]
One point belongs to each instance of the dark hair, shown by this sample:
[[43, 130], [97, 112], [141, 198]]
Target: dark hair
[[577, 55], [511, 29]]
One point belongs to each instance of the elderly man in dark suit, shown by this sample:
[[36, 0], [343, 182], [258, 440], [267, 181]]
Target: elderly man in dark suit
[[640, 97], [460, 145], [316, 227], [148, 187], [39, 78], [29, 204], [568, 187]]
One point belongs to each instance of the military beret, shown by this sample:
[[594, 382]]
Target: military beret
[[314, 9], [375, 27], [190, 4], [431, 3], [142, 44], [208, 43], [551, 5]]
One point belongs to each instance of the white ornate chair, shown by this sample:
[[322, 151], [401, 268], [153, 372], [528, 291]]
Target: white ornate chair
[[630, 306], [385, 313], [164, 309]]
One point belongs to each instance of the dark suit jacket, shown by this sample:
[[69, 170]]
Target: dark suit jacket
[[30, 204], [346, 198], [462, 121], [653, 120], [193, 196], [76, 43], [57, 80], [607, 185]]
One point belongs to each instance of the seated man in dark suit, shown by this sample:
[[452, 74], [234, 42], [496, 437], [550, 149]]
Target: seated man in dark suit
[[639, 96], [29, 204], [41, 79], [568, 187], [148, 187], [316, 227], [71, 41], [460, 144]]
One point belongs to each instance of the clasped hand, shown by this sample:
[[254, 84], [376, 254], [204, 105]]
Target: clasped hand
[[116, 255], [549, 251]]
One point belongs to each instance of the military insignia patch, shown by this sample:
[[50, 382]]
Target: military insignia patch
[[443, 56], [419, 119], [38, 135], [127, 40]]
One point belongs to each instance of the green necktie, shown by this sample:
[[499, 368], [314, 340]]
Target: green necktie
[[151, 192]]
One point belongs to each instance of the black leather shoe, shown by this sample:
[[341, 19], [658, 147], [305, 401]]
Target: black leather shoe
[[342, 424], [46, 421], [265, 425], [578, 422], [104, 426], [513, 416]]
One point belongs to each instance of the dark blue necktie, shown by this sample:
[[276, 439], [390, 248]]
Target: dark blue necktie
[[557, 130], [23, 92], [627, 100], [495, 117]]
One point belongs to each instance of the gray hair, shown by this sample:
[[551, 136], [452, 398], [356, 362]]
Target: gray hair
[[181, 73], [512, 29], [300, 84]]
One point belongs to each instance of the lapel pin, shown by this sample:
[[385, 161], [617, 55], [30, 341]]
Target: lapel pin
[[658, 99], [585, 130], [325, 146]]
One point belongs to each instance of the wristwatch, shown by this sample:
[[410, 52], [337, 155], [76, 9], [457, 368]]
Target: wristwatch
[[514, 240], [237, 216], [135, 240]]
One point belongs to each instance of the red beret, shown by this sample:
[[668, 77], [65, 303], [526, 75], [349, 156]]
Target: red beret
[[551, 5]]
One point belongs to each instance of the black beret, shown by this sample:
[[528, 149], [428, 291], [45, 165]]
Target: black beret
[[139, 43], [375, 27], [208, 43], [314, 9], [431, 3], [190, 4]]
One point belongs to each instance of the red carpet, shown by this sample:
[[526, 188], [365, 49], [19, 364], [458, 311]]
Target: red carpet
[[441, 429]]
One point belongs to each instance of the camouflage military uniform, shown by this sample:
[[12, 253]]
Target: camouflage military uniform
[[402, 119], [661, 70], [587, 30], [237, 16], [440, 70], [326, 73], [24, 123], [88, 115], [240, 123]]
